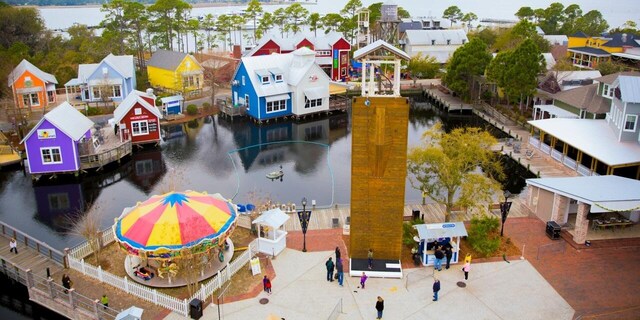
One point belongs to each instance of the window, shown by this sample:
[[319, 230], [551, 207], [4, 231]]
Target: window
[[448, 42], [433, 42], [464, 41], [28, 82], [35, 101], [105, 70], [583, 114], [51, 96], [51, 155], [323, 53], [137, 111], [607, 91], [312, 103], [243, 82], [264, 79], [275, 106], [278, 78], [25, 99], [139, 127], [246, 101], [343, 72], [96, 92], [117, 93], [630, 122]]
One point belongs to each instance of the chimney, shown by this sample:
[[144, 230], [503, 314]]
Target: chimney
[[150, 91], [237, 51]]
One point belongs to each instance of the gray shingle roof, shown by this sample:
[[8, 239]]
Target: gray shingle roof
[[610, 78], [25, 65], [586, 98], [168, 60]]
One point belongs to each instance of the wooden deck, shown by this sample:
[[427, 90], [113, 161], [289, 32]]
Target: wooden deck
[[110, 150], [28, 256], [446, 101], [8, 156]]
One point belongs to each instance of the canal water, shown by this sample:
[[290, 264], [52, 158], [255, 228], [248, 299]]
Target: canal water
[[217, 156]]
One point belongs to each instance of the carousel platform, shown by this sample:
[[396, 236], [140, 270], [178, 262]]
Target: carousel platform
[[381, 268], [172, 278]]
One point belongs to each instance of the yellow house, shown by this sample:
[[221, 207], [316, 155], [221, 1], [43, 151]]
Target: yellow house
[[175, 71], [587, 52]]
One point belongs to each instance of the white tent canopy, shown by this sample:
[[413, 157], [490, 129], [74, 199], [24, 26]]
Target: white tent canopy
[[441, 230], [273, 218]]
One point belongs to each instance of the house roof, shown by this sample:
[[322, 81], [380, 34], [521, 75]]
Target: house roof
[[168, 60], [25, 65], [563, 77], [135, 97], [586, 98], [549, 60], [629, 88], [425, 37], [121, 64], [273, 218], [556, 39], [603, 193], [379, 45], [593, 137], [579, 34], [590, 50], [610, 78], [441, 230], [323, 42], [557, 111], [67, 119], [621, 40], [626, 55]]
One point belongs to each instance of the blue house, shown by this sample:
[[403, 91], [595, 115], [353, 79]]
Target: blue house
[[281, 85], [110, 80]]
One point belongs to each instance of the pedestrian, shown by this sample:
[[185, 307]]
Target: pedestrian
[[340, 271], [337, 254], [436, 288], [13, 245], [448, 254], [363, 279], [379, 307], [66, 282], [370, 258], [329, 264], [268, 286], [439, 256], [265, 280], [466, 268], [105, 301]]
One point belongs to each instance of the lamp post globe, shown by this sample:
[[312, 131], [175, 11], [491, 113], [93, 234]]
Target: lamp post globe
[[304, 223], [504, 210]]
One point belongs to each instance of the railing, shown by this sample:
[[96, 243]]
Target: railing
[[41, 247], [545, 148], [555, 154], [569, 162], [106, 157], [337, 310], [584, 170], [233, 111], [534, 141]]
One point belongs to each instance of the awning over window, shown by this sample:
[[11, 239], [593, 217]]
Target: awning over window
[[277, 97], [317, 92]]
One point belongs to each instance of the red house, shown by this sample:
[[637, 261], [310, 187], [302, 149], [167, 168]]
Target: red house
[[332, 51], [138, 118]]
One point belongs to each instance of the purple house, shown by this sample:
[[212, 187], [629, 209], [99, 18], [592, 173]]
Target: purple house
[[53, 145]]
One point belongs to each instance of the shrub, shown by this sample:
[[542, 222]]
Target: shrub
[[408, 232], [193, 124], [483, 234], [92, 111], [192, 110]]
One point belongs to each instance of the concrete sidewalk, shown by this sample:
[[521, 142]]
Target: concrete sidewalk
[[495, 290]]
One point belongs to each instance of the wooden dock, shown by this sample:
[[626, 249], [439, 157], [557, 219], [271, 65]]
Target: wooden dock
[[437, 96], [32, 253]]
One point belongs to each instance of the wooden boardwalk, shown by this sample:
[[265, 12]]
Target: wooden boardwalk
[[27, 258]]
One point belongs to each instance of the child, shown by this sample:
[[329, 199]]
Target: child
[[363, 279], [268, 286], [13, 244]]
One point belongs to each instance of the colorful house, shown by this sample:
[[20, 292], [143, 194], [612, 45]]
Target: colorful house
[[176, 72], [53, 145], [110, 80], [281, 85], [31, 86], [332, 51], [138, 118], [587, 52]]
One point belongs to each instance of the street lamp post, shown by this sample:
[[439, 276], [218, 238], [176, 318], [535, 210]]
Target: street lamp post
[[304, 217], [504, 210]]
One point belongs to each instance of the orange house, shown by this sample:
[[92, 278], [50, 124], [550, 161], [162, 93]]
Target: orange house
[[32, 87]]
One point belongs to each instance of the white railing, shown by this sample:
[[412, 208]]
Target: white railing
[[41, 247], [84, 249], [534, 141], [584, 170], [569, 162], [545, 148], [556, 155]]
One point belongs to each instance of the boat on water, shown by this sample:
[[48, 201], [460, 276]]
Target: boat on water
[[275, 174]]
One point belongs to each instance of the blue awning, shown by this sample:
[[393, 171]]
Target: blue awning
[[441, 230]]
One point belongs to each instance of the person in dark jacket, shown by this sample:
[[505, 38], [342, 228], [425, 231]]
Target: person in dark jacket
[[340, 271], [379, 307], [337, 254], [436, 288], [439, 256], [329, 264], [448, 253]]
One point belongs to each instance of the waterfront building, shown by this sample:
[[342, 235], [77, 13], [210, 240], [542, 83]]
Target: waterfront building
[[281, 85], [108, 81], [587, 52], [175, 72], [440, 44], [138, 119], [32, 87], [332, 51]]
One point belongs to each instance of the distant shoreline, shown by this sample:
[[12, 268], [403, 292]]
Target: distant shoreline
[[193, 5]]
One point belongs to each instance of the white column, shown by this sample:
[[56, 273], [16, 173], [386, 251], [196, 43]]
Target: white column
[[372, 82], [66, 91], [396, 78], [364, 78]]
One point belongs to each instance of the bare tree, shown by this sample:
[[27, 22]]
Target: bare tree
[[89, 226]]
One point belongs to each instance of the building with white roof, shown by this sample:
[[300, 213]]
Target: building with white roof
[[439, 44], [32, 87], [110, 80]]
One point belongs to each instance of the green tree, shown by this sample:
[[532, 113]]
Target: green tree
[[168, 20], [571, 15], [265, 24], [525, 13], [20, 25], [629, 27], [208, 23], [453, 14], [467, 61], [497, 69], [114, 24], [525, 64], [467, 18], [487, 35], [445, 167], [224, 26], [610, 67], [237, 21], [279, 18], [254, 9], [193, 25], [423, 67], [296, 14], [350, 22], [592, 23], [332, 22], [513, 37], [137, 18], [552, 18], [314, 21]]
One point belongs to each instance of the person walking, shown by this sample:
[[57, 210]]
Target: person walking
[[439, 256], [13, 245], [329, 264], [436, 288], [268, 286], [379, 307], [340, 271], [370, 258], [337, 254], [104, 300], [265, 280], [66, 282], [448, 253], [466, 268], [363, 279]]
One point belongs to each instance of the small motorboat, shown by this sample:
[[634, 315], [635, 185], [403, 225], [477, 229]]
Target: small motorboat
[[275, 174]]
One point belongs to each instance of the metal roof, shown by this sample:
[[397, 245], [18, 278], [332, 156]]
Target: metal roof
[[441, 230], [610, 78], [273, 218], [593, 137], [426, 37], [378, 45], [67, 119], [603, 193], [629, 88], [25, 65], [135, 97], [165, 59], [590, 51]]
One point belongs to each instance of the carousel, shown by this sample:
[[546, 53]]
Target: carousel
[[168, 233]]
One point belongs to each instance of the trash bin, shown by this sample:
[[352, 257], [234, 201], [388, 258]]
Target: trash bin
[[195, 309], [553, 230]]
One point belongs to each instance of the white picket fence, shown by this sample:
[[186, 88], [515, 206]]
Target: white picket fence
[[181, 307]]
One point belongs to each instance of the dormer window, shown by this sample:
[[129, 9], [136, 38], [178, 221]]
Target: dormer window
[[278, 77], [608, 91], [265, 79], [105, 70], [464, 41], [433, 42], [448, 42]]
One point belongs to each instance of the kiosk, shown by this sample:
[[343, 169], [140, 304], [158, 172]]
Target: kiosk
[[272, 238], [443, 233]]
